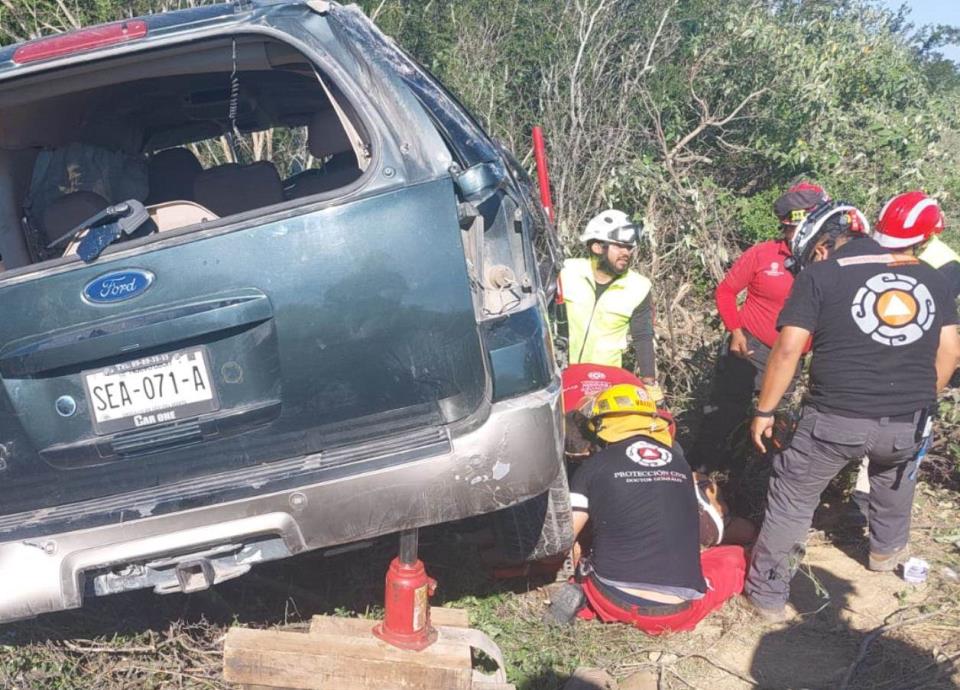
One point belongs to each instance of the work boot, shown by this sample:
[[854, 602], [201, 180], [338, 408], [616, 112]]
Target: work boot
[[888, 562], [770, 615], [565, 601]]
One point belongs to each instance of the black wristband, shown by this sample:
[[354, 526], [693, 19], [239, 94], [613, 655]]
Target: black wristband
[[757, 412]]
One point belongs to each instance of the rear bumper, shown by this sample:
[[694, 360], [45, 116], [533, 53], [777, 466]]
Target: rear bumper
[[513, 456]]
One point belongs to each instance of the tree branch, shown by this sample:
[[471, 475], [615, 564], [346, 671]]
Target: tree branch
[[653, 43], [707, 122]]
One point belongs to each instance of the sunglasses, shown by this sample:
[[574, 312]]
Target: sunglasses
[[625, 236]]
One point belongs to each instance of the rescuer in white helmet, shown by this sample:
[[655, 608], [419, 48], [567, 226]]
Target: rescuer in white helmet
[[605, 300]]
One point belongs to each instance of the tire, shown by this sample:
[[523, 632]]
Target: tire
[[538, 528]]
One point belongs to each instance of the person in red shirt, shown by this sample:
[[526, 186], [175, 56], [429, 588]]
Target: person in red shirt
[[762, 272]]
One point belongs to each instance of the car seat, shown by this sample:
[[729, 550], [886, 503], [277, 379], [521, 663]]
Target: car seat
[[67, 212], [171, 174], [233, 188], [327, 141]]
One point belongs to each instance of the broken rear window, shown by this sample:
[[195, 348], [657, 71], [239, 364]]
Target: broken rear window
[[165, 140]]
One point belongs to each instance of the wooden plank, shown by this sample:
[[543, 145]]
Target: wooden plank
[[337, 625], [351, 638], [322, 661], [455, 618]]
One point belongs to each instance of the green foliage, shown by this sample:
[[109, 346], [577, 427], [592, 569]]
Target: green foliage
[[753, 214]]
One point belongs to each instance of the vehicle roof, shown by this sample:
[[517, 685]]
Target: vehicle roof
[[160, 24]]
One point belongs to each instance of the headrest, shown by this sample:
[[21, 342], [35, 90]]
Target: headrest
[[177, 160], [171, 173], [326, 136], [232, 188], [68, 211]]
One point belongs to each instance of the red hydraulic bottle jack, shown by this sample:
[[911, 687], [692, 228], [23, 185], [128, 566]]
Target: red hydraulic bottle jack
[[406, 617]]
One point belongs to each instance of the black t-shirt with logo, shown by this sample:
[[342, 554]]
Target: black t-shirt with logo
[[640, 498], [876, 319]]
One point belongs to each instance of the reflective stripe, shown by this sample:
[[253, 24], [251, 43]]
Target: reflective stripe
[[878, 259], [579, 501], [711, 511], [891, 242], [868, 259], [916, 211]]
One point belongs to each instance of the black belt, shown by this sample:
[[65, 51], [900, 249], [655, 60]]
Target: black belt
[[623, 601]]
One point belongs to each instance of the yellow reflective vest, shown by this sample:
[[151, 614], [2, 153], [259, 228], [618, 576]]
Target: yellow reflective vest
[[598, 328], [939, 255]]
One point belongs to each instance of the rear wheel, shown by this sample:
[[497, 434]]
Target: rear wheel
[[538, 528]]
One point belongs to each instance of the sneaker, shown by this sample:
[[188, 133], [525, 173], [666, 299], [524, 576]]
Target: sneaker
[[565, 601], [888, 562], [775, 615]]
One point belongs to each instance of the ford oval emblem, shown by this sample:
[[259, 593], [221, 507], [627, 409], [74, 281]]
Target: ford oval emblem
[[117, 286]]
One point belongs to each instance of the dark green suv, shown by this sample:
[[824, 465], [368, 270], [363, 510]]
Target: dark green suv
[[269, 288]]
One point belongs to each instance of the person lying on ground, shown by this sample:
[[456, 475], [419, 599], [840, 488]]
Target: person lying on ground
[[645, 566]]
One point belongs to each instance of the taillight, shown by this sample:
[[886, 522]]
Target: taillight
[[80, 41]]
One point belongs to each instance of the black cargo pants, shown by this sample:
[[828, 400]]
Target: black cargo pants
[[736, 381], [823, 445]]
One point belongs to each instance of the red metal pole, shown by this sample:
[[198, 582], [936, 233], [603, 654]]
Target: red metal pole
[[543, 176]]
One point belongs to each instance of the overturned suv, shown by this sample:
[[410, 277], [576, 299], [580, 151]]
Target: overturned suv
[[269, 288]]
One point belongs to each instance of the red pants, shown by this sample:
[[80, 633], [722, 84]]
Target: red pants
[[724, 568]]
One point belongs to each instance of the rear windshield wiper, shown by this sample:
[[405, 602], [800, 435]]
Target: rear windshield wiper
[[104, 228]]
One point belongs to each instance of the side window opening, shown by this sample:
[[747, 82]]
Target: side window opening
[[216, 140]]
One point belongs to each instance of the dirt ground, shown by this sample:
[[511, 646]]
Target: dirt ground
[[838, 603]]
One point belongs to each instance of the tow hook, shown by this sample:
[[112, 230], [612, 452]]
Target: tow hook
[[195, 575]]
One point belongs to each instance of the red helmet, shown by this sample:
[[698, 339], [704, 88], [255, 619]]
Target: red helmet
[[798, 201], [807, 186], [908, 219]]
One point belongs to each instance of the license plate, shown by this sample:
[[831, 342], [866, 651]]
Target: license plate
[[153, 390]]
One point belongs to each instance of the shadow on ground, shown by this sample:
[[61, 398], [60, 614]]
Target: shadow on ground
[[822, 650]]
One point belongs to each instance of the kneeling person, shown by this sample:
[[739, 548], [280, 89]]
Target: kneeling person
[[645, 567]]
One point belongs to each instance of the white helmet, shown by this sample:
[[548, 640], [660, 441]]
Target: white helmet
[[828, 219], [612, 226]]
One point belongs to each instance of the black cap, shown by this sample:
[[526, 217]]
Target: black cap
[[802, 200]]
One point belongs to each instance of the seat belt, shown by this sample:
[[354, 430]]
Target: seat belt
[[360, 148]]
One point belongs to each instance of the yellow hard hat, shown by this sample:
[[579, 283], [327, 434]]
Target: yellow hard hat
[[627, 410]]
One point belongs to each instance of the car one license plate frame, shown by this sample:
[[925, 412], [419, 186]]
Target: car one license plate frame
[[150, 415]]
